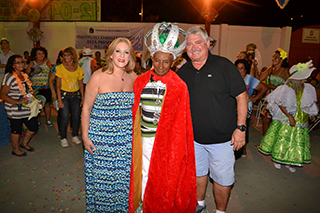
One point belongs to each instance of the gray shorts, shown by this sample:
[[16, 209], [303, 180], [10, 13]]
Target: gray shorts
[[218, 159]]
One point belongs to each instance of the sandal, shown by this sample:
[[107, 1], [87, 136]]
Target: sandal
[[22, 155], [30, 149]]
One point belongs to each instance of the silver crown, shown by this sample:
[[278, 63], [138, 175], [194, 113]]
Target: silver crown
[[168, 46]]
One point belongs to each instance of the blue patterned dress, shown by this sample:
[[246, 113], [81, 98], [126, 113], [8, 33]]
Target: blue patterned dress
[[107, 171]]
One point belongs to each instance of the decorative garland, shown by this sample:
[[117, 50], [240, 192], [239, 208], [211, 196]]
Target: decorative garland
[[20, 84]]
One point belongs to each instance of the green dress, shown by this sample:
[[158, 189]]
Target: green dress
[[286, 144]]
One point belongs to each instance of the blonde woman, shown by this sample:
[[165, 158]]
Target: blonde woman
[[70, 92], [107, 130]]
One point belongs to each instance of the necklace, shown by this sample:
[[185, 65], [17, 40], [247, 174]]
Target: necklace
[[20, 84], [122, 76], [158, 102]]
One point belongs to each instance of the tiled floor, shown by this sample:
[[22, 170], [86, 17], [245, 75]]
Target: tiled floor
[[51, 179]]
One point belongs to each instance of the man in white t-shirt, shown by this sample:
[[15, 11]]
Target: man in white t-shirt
[[5, 53], [88, 64]]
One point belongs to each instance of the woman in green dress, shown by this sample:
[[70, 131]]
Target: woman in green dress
[[274, 76], [287, 139]]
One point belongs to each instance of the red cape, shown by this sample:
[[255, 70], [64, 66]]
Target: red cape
[[171, 185]]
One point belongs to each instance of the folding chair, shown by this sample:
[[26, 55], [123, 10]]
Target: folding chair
[[314, 124], [260, 106]]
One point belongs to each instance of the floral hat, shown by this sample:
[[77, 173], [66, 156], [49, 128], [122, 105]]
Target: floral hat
[[87, 51], [301, 71]]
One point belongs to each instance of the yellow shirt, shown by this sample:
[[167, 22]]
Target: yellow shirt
[[69, 80]]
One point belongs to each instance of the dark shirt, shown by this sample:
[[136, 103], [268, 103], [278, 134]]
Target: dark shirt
[[212, 91]]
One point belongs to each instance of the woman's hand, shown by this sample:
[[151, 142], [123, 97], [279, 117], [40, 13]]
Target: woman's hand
[[292, 121], [270, 86], [54, 95], [88, 145], [60, 104], [23, 101]]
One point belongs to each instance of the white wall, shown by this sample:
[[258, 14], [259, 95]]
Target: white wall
[[230, 39], [235, 38]]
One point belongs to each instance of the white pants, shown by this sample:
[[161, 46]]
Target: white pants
[[147, 145]]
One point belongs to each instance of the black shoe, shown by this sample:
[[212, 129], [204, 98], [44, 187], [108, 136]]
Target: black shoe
[[30, 149], [22, 155], [200, 209]]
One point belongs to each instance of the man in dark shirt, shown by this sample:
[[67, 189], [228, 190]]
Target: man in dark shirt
[[219, 103]]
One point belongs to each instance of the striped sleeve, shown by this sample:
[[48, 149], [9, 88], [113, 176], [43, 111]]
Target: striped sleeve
[[14, 93]]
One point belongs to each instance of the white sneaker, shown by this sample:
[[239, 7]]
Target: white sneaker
[[291, 169], [64, 143], [49, 123], [76, 140], [277, 165]]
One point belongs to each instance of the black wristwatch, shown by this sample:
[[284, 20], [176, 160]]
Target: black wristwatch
[[242, 128]]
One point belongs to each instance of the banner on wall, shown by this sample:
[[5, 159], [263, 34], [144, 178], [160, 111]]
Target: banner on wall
[[101, 38], [311, 36], [50, 10]]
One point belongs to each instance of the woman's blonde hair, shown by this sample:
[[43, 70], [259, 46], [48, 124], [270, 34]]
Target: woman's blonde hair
[[132, 58], [73, 52]]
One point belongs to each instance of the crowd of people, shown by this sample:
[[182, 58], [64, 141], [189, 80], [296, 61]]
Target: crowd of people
[[154, 132]]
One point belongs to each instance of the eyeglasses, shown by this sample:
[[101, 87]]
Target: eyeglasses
[[18, 62]]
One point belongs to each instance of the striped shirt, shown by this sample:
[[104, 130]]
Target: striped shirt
[[15, 93], [151, 104]]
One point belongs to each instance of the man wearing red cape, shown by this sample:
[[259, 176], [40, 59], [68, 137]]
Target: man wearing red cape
[[163, 175]]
